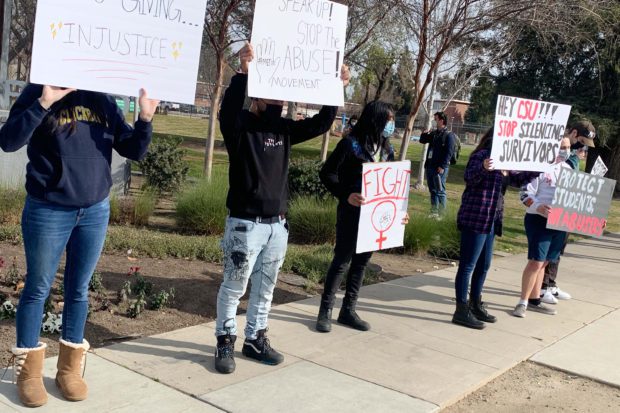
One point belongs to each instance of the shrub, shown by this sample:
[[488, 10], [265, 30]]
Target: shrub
[[425, 235], [202, 207], [313, 221], [162, 299], [13, 278], [163, 166], [144, 206], [304, 179], [137, 210], [157, 244], [11, 205], [96, 283]]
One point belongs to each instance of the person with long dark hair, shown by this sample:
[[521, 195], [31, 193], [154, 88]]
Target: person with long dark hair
[[342, 175], [70, 135], [480, 219]]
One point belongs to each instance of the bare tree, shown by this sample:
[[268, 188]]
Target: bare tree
[[226, 23], [436, 28]]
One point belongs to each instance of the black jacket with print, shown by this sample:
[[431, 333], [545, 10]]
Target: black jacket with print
[[259, 151], [342, 172]]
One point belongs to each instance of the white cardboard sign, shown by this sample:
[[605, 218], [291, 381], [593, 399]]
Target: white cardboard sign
[[299, 50], [599, 168], [527, 133], [120, 46], [385, 187]]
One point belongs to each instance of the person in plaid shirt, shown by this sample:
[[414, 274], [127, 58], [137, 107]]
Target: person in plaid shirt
[[480, 220]]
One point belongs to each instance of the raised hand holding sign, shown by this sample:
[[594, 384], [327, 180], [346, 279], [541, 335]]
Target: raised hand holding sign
[[299, 51]]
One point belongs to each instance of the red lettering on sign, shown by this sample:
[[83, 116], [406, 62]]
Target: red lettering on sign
[[527, 110]]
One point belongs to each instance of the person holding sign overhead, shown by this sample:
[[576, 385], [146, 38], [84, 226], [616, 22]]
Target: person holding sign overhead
[[342, 175], [258, 142], [70, 136], [480, 219], [544, 245]]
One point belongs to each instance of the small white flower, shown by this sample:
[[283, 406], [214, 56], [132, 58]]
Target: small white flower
[[8, 306]]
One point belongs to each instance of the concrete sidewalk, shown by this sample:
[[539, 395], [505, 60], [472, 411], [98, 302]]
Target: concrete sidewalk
[[413, 360]]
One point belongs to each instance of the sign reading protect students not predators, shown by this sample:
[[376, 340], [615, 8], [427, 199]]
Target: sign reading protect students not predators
[[527, 133], [581, 203], [385, 187], [298, 51], [120, 46]]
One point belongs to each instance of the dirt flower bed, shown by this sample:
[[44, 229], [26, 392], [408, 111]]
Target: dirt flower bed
[[194, 285]]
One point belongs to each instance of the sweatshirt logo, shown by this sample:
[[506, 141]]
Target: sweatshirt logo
[[273, 143], [78, 114]]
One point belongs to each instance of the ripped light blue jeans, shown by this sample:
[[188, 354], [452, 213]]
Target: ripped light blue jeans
[[252, 252]]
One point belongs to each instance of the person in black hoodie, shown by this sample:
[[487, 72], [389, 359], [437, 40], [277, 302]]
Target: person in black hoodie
[[70, 135], [342, 175], [259, 143]]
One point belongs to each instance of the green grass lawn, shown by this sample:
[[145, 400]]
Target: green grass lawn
[[513, 240]]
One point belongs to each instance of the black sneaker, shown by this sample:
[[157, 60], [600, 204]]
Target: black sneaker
[[225, 354], [260, 349]]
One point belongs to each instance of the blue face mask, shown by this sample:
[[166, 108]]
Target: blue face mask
[[389, 129]]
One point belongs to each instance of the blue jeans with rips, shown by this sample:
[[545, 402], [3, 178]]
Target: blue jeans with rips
[[48, 229], [253, 252]]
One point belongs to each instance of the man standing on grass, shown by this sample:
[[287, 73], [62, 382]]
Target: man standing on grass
[[258, 142], [442, 146]]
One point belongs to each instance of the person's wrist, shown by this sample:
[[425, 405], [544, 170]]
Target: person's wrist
[[45, 104], [144, 117]]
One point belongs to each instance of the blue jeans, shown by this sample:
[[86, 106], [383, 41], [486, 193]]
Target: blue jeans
[[252, 251], [476, 256], [47, 229], [437, 186]]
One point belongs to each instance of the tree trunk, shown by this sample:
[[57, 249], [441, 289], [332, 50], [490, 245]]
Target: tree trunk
[[215, 106], [325, 146], [291, 112], [431, 101], [366, 96]]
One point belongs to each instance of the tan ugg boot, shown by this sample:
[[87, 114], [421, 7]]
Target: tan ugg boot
[[28, 364], [71, 362]]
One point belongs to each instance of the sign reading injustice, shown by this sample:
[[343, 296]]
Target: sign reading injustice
[[581, 203], [299, 50], [527, 133], [120, 46], [385, 187]]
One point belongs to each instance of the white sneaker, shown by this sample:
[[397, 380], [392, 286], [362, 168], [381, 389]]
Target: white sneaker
[[559, 294], [546, 296]]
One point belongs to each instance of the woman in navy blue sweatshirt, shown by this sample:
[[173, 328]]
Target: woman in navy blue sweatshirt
[[69, 135], [342, 175]]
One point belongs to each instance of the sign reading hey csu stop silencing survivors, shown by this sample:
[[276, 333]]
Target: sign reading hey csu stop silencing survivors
[[120, 46], [385, 187], [527, 133], [299, 50]]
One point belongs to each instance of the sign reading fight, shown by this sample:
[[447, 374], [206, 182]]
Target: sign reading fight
[[581, 203], [527, 133], [385, 187], [120, 46], [299, 50]]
